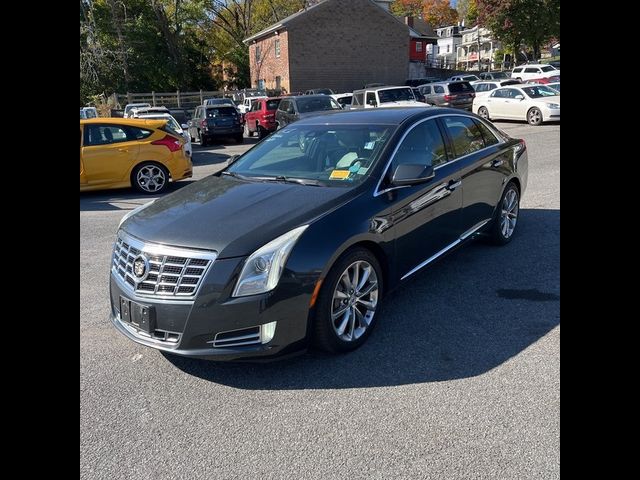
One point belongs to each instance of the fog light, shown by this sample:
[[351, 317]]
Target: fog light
[[267, 331]]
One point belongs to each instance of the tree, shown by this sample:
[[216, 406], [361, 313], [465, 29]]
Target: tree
[[407, 8], [439, 13], [515, 22], [467, 12]]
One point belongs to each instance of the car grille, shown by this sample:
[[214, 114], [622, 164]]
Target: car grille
[[172, 272]]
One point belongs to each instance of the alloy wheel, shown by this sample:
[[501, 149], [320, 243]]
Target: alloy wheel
[[151, 178], [354, 301], [509, 213]]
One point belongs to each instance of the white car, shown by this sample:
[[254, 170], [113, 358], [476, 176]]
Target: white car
[[88, 112], [485, 87], [527, 72], [344, 99], [174, 125], [533, 103], [129, 106], [247, 102], [463, 78], [383, 97]]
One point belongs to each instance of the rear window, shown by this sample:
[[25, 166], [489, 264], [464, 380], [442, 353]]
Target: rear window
[[315, 104], [221, 112], [396, 95], [273, 104], [548, 69], [460, 87]]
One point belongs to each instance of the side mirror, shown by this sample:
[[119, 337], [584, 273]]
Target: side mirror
[[411, 173], [184, 126], [519, 97]]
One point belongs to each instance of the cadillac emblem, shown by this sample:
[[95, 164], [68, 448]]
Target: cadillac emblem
[[140, 268]]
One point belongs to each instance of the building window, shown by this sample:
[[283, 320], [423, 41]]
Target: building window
[[418, 46], [448, 48], [277, 47], [438, 50], [257, 53], [278, 83]]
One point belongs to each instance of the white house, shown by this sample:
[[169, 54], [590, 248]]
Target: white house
[[445, 52], [476, 51]]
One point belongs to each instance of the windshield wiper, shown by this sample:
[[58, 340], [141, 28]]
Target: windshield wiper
[[236, 175], [299, 181]]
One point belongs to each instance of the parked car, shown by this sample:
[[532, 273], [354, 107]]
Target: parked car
[[219, 101], [171, 123], [533, 103], [344, 99], [555, 63], [292, 109], [247, 102], [375, 84], [137, 111], [555, 86], [484, 87], [129, 106], [88, 112], [212, 122], [262, 117], [418, 94], [544, 80], [526, 72], [494, 75], [449, 94], [182, 115], [414, 82], [289, 247], [383, 97], [463, 78], [319, 91], [117, 153]]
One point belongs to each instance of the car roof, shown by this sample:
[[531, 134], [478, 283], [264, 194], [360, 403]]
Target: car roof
[[298, 97], [131, 122], [376, 116]]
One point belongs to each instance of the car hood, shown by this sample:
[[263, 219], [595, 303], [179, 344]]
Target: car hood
[[231, 216]]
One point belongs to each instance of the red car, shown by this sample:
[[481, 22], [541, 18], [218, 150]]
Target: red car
[[262, 117], [545, 80]]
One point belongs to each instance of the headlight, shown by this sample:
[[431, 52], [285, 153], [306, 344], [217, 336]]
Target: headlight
[[134, 211], [262, 270], [553, 105]]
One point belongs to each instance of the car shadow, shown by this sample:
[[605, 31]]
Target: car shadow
[[464, 316]]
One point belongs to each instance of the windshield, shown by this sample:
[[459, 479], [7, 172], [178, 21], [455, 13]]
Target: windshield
[[498, 75], [331, 155], [539, 91], [555, 86], [316, 104], [396, 95]]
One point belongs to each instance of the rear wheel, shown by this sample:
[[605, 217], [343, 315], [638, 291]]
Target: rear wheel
[[534, 116], [204, 141], [484, 113], [247, 132], [347, 302], [262, 132], [506, 217], [150, 178]]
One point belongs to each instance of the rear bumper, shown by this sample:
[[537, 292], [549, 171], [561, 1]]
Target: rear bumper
[[223, 132]]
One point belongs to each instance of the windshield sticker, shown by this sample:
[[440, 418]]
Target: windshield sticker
[[363, 170], [355, 167], [339, 174], [369, 145]]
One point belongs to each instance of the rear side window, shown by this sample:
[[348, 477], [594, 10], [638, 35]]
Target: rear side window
[[104, 134], [371, 98], [517, 70], [138, 133], [487, 135], [283, 105], [425, 90], [531, 70], [438, 89], [460, 87], [273, 104], [465, 135]]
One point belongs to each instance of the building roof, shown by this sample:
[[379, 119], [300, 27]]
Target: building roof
[[282, 23]]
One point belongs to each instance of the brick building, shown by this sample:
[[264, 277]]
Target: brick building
[[337, 44]]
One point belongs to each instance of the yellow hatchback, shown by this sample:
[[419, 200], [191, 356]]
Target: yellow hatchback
[[123, 152]]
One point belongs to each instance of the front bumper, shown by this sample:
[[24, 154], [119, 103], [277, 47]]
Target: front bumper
[[188, 328]]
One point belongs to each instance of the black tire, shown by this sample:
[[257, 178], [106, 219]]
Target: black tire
[[239, 138], [324, 334], [145, 178], [496, 234], [261, 132], [534, 116], [247, 132], [204, 140], [484, 113]]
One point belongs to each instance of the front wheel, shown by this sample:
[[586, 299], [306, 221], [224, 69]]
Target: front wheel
[[348, 301], [247, 132], [150, 178], [484, 113], [506, 218], [534, 116]]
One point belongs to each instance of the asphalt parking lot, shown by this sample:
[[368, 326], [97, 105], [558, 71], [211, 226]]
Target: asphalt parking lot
[[459, 380]]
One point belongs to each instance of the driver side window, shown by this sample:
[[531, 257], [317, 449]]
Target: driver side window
[[423, 145]]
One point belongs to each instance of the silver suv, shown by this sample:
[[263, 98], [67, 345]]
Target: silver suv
[[449, 94]]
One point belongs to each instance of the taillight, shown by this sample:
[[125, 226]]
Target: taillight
[[172, 143], [449, 97], [269, 115]]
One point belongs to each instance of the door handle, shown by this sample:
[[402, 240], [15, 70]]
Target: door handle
[[453, 184], [497, 163]]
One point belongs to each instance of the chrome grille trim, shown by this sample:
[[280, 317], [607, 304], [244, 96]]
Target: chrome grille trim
[[242, 338], [160, 284]]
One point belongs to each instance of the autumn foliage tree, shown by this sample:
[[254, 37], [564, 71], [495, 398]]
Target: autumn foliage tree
[[438, 13]]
